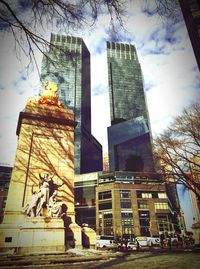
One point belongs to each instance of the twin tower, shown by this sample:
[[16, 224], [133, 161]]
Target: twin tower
[[55, 141], [129, 138]]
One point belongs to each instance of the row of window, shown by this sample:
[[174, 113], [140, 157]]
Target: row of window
[[106, 222], [161, 195], [127, 204], [127, 194]]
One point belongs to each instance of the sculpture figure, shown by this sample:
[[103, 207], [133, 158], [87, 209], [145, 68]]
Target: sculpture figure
[[43, 197], [54, 207], [52, 186], [49, 95], [30, 208]]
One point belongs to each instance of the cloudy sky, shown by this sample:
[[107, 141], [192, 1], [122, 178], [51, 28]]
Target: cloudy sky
[[171, 77]]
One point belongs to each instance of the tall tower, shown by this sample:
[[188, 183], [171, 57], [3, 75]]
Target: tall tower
[[68, 65], [191, 14], [129, 137]]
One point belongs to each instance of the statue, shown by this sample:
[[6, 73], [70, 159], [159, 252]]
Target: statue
[[30, 208], [47, 178], [43, 197], [54, 207], [49, 95]]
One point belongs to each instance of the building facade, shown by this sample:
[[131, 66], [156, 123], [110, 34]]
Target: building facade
[[5, 175], [85, 199], [191, 14], [68, 65], [124, 204], [129, 136], [132, 205]]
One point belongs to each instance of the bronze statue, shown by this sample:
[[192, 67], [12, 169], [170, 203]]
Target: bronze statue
[[49, 95]]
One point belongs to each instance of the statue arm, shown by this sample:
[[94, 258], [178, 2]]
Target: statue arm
[[41, 179]]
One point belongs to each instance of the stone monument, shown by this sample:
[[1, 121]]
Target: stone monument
[[39, 214]]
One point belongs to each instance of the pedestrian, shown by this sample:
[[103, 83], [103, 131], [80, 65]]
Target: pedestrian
[[123, 246], [162, 237], [138, 245], [170, 241]]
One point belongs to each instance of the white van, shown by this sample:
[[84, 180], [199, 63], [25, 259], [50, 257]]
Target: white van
[[105, 241], [153, 241], [142, 240], [146, 241]]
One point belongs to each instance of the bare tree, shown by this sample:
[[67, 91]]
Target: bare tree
[[166, 9], [28, 20], [178, 149]]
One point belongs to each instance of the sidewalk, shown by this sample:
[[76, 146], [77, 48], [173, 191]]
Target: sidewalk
[[75, 256], [70, 257]]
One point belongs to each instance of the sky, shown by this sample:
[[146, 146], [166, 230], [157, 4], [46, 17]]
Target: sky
[[170, 73]]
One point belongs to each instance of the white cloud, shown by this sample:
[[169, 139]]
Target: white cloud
[[101, 118], [169, 76]]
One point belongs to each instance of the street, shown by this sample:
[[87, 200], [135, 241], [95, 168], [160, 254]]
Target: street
[[131, 260]]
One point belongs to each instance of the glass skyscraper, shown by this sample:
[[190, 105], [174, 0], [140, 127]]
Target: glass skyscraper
[[129, 137], [68, 65]]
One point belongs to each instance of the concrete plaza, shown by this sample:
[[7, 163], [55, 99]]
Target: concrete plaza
[[91, 259]]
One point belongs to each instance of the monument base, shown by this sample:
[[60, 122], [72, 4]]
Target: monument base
[[88, 238], [73, 238], [34, 235]]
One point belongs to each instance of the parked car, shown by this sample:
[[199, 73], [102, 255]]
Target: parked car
[[147, 241], [105, 242], [112, 246], [131, 245], [142, 241], [153, 241]]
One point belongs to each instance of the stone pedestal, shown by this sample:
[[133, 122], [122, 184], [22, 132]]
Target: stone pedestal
[[34, 235], [45, 147], [89, 237]]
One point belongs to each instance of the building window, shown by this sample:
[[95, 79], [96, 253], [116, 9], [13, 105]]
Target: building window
[[100, 223], [104, 206], [162, 195], [105, 195], [145, 222], [143, 204], [163, 224], [161, 205], [108, 223], [162, 218], [125, 193], [4, 202], [127, 222], [163, 227], [107, 215], [144, 219], [146, 195], [125, 204], [144, 231], [85, 195], [126, 214], [144, 214]]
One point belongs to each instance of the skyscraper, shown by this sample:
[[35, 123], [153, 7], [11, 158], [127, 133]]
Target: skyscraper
[[191, 14], [129, 137], [68, 65]]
